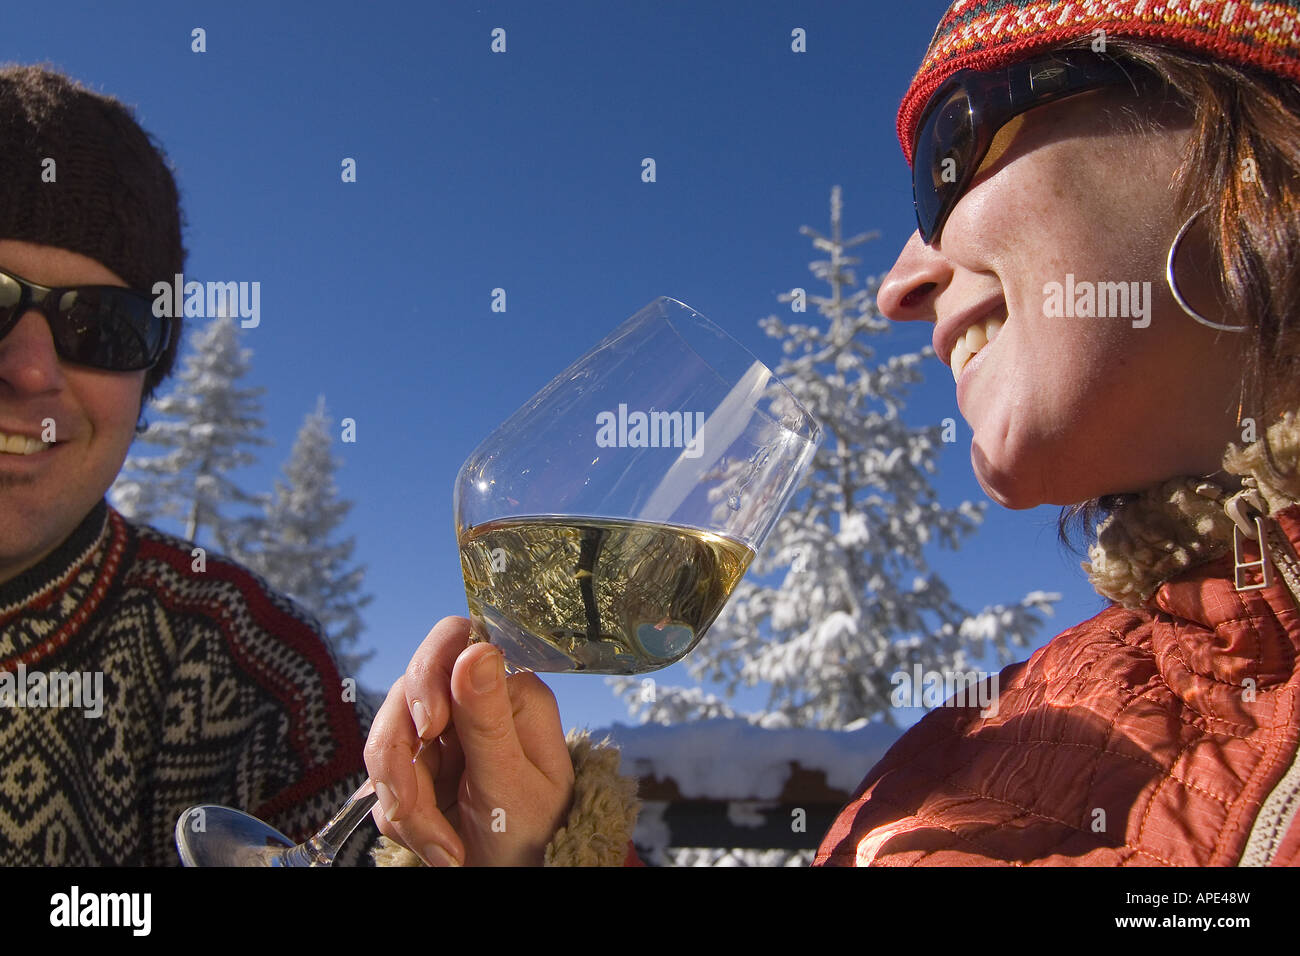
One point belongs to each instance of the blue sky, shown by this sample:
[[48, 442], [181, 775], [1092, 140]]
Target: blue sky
[[519, 170]]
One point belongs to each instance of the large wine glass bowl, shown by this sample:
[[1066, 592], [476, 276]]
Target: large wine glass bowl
[[603, 526]]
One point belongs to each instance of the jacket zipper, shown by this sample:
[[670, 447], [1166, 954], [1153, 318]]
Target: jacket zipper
[[1278, 811]]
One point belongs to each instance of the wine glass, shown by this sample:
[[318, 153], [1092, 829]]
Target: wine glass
[[602, 527]]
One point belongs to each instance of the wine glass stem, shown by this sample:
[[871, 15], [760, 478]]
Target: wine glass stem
[[321, 849]]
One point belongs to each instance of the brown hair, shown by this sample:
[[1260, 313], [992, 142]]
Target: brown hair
[[1243, 163]]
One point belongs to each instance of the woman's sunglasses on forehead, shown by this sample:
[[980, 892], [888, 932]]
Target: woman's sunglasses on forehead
[[105, 327], [965, 113]]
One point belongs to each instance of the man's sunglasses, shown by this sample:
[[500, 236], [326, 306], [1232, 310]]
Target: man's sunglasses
[[965, 113], [103, 326]]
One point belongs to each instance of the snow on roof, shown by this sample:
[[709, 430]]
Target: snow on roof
[[724, 759]]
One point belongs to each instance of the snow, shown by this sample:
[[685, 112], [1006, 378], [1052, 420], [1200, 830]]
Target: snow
[[651, 828], [732, 759], [703, 856], [747, 813]]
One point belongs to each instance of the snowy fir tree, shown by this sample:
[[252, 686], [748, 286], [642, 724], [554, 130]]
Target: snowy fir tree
[[213, 420], [295, 548], [841, 597]]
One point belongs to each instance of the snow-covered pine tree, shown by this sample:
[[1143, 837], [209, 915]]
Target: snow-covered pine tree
[[213, 422], [294, 548], [842, 597]]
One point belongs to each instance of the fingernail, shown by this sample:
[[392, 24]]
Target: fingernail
[[486, 673], [387, 800], [435, 855], [420, 714]]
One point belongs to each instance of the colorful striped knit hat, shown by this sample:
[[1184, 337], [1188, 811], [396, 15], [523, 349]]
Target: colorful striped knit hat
[[986, 34]]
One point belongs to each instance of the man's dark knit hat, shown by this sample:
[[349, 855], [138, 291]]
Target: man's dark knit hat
[[111, 195], [986, 34]]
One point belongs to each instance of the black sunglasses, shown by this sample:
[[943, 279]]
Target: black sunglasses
[[103, 326], [965, 113]]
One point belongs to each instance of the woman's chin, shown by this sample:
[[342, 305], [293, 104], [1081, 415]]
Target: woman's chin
[[1006, 486]]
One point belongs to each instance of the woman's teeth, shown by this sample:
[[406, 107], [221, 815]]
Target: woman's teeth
[[21, 445], [975, 338]]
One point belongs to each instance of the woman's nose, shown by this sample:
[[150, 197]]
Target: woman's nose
[[908, 291]]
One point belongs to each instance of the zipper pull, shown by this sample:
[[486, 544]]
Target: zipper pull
[[1247, 509]]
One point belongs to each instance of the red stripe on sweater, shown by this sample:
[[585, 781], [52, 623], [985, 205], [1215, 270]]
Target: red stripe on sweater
[[347, 758], [113, 552]]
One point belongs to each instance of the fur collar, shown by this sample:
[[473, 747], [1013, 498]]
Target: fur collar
[[1183, 522]]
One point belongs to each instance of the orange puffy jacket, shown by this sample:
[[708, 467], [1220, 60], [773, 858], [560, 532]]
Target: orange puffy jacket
[[1163, 732]]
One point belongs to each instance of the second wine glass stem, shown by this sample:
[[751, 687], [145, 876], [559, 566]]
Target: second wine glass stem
[[324, 846]]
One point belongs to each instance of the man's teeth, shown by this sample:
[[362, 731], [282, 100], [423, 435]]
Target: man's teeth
[[975, 338], [21, 445]]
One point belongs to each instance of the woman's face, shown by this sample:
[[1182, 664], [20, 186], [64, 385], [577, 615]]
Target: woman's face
[[1066, 407]]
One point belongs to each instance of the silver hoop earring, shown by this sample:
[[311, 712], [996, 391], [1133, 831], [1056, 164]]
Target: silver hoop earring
[[1173, 285]]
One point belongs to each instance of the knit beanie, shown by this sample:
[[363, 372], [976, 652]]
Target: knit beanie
[[110, 194], [987, 34]]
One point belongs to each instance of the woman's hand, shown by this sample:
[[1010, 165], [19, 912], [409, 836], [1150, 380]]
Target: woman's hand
[[494, 780]]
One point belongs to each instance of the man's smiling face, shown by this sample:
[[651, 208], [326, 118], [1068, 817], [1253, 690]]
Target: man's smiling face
[[46, 494]]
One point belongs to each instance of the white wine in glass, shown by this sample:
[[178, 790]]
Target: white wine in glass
[[600, 595]]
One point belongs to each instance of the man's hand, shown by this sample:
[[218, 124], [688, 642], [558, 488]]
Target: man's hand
[[494, 780]]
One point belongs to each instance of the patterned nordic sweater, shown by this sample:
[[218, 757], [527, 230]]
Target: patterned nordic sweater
[[214, 690]]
